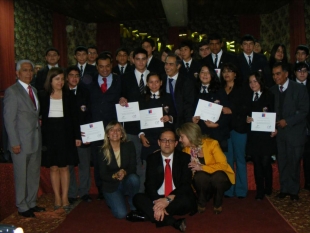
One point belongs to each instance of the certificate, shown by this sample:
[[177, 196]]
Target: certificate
[[263, 121], [150, 118], [92, 132], [128, 113], [208, 110]]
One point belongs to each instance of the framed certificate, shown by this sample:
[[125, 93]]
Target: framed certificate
[[263, 121]]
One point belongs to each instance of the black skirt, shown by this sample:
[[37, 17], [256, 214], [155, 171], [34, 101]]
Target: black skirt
[[57, 149]]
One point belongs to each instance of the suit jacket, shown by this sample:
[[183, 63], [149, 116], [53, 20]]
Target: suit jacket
[[88, 73], [193, 69], [128, 163], [21, 119], [225, 58], [259, 63], [295, 110], [41, 77], [131, 91], [116, 69], [181, 174], [102, 105], [184, 95], [156, 66]]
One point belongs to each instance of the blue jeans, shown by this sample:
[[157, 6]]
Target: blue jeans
[[116, 200], [236, 153]]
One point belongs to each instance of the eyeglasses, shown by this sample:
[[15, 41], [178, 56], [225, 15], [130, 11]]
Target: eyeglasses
[[302, 71], [164, 141]]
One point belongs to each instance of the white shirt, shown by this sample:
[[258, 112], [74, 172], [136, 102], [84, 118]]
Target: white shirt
[[138, 76], [304, 82], [109, 80], [157, 96], [56, 108], [161, 190], [201, 89], [79, 66], [149, 60], [50, 67], [25, 86], [175, 78], [120, 67], [285, 85], [247, 57], [189, 62], [219, 55], [259, 94]]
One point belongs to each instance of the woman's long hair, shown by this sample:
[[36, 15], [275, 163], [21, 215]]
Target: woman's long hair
[[214, 82], [52, 73], [192, 132], [272, 59], [233, 68], [106, 148]]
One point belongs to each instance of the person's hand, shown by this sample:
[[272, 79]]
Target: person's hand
[[16, 149], [160, 214], [281, 123], [196, 119], [144, 141], [249, 119], [226, 110], [160, 204], [121, 174], [78, 143], [194, 166], [210, 124], [123, 101], [83, 135], [273, 133], [165, 119]]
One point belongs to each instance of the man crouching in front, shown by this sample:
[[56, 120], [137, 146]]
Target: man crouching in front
[[168, 189]]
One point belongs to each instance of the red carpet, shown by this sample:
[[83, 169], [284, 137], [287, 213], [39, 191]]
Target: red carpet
[[238, 216]]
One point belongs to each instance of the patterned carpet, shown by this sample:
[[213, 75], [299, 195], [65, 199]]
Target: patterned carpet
[[296, 213]]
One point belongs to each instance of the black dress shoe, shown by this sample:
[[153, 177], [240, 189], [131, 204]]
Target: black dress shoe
[[281, 195], [37, 209], [135, 216], [294, 197], [27, 214], [86, 198], [72, 200], [180, 224]]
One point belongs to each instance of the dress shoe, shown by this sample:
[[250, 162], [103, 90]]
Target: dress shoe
[[294, 197], [67, 208], [180, 224], [37, 209], [201, 209], [56, 207], [86, 198], [27, 214], [259, 197], [135, 216], [281, 195], [72, 200], [217, 210]]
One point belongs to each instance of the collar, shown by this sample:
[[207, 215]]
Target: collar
[[84, 65], [247, 56], [175, 77], [189, 62], [25, 85], [108, 77], [285, 85], [304, 82], [120, 66], [138, 73], [50, 67], [219, 54], [169, 157], [156, 94]]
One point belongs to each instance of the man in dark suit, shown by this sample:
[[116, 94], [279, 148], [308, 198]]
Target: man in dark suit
[[52, 57], [181, 89], [217, 58], [92, 55], [189, 67], [249, 62], [105, 91], [133, 86], [21, 120], [292, 107], [84, 151], [86, 70], [123, 65], [302, 76], [153, 64], [167, 193]]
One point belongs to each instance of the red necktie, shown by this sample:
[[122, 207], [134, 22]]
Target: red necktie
[[168, 178], [104, 85], [32, 96]]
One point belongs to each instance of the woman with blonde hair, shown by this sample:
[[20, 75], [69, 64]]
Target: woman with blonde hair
[[212, 174], [117, 165]]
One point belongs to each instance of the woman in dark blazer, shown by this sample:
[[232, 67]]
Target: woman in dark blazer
[[208, 88], [60, 133], [239, 107], [261, 145], [117, 165]]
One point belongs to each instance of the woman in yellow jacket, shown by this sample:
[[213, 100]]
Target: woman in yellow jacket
[[212, 175]]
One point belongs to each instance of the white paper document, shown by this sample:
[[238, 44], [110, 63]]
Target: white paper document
[[208, 110], [263, 121], [150, 118], [128, 113], [92, 132]]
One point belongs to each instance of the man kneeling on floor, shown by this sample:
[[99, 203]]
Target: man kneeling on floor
[[168, 189]]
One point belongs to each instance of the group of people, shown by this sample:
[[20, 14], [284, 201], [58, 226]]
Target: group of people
[[162, 177]]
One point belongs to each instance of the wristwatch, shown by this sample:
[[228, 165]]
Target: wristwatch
[[168, 199]]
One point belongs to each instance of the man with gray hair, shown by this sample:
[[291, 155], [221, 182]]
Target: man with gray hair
[[21, 120]]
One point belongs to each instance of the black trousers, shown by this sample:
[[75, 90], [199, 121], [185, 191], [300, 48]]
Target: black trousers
[[306, 162], [262, 173], [181, 205], [211, 185]]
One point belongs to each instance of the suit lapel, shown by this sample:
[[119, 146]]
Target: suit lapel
[[25, 97]]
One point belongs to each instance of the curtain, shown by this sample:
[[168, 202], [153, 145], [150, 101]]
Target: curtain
[[250, 24], [60, 38]]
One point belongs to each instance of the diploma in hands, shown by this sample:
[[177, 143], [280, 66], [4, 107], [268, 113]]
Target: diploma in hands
[[208, 111], [92, 132], [128, 113], [150, 118], [263, 121]]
